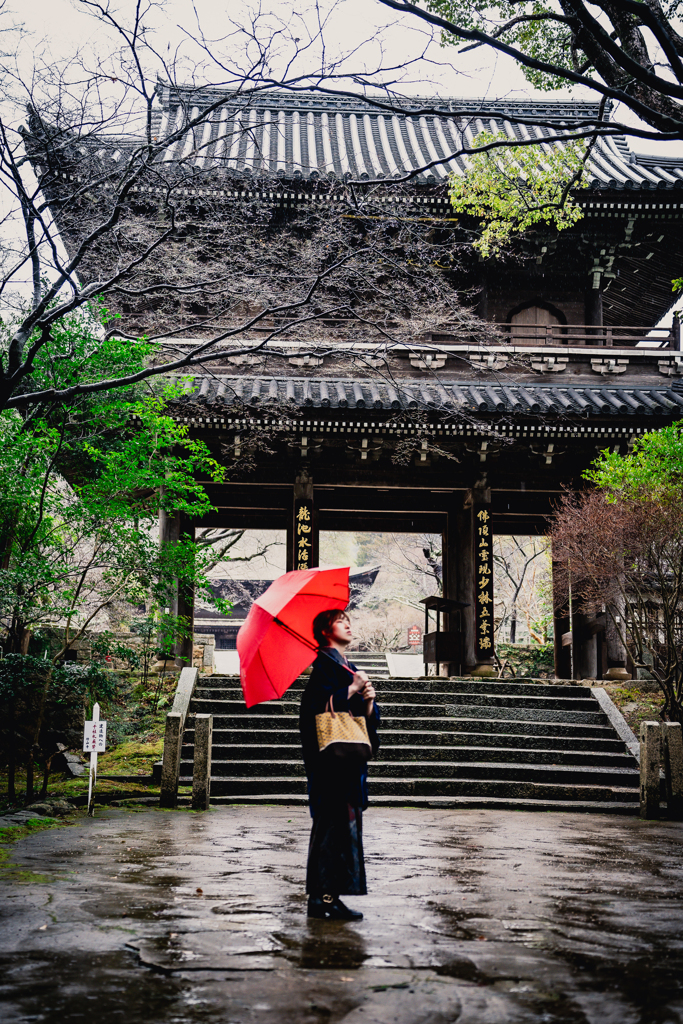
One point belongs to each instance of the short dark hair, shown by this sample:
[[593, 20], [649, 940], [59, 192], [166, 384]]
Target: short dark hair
[[324, 622]]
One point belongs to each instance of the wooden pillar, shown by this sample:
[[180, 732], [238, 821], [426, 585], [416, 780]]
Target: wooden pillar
[[185, 646], [473, 527], [561, 627], [594, 302], [450, 543], [614, 628], [584, 638], [464, 582], [169, 533], [483, 300], [482, 534], [304, 547]]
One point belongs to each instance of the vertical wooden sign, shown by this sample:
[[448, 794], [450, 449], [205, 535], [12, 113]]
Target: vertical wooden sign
[[303, 533], [483, 568]]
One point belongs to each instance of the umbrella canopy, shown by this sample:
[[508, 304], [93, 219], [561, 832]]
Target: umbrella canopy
[[276, 643]]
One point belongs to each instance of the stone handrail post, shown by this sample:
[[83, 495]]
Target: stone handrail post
[[201, 773], [173, 737], [650, 753], [672, 744], [661, 741]]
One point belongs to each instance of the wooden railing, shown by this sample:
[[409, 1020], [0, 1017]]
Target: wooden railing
[[659, 338], [588, 335]]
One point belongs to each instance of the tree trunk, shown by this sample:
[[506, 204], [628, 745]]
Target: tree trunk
[[12, 762], [513, 625], [46, 776], [29, 775]]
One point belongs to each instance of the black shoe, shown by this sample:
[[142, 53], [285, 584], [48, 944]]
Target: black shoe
[[331, 908]]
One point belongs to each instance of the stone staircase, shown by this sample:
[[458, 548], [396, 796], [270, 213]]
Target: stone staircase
[[445, 743], [374, 664]]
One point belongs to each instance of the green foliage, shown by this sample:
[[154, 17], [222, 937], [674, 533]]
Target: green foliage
[[652, 470], [20, 674], [81, 489], [531, 661], [513, 188], [543, 35]]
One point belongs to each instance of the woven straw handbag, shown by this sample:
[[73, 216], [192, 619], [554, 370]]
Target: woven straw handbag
[[342, 735]]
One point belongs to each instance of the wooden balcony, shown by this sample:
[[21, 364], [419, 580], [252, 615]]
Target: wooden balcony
[[661, 339]]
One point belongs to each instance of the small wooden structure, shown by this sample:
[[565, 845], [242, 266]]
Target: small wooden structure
[[444, 645]]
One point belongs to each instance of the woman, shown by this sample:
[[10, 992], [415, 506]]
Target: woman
[[337, 787]]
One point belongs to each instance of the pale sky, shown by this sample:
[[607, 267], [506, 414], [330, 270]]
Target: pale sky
[[363, 32]]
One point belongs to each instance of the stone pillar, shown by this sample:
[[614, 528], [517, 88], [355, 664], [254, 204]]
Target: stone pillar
[[201, 772], [170, 766], [305, 544], [650, 753], [672, 744]]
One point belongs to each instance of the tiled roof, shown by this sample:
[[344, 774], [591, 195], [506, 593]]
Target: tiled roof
[[310, 135], [220, 393]]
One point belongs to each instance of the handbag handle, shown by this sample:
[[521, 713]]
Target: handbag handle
[[330, 707]]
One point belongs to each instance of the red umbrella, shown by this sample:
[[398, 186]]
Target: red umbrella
[[275, 643]]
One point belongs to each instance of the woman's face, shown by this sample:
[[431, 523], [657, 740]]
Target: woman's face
[[341, 631]]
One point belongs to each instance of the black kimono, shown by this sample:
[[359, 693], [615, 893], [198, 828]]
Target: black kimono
[[337, 788]]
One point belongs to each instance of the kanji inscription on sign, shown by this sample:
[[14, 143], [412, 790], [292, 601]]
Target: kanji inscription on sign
[[483, 575], [95, 737], [303, 529]]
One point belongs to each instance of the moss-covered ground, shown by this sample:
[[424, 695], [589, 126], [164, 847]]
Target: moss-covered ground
[[639, 700], [135, 718]]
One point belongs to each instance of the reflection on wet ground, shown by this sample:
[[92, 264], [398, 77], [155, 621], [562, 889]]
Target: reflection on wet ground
[[474, 917]]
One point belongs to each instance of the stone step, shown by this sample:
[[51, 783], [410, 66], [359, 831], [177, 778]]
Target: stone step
[[374, 664], [410, 712], [254, 753], [410, 726], [231, 684], [414, 730], [441, 770], [400, 699], [445, 742], [447, 803], [402, 787]]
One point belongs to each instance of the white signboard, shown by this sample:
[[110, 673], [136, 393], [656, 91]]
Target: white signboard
[[95, 737]]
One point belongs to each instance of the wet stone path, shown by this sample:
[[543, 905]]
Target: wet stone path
[[474, 917]]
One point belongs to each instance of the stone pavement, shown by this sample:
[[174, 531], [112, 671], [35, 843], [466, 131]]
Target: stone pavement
[[474, 917]]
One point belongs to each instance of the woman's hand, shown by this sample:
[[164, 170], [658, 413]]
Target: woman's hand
[[369, 691], [360, 681]]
